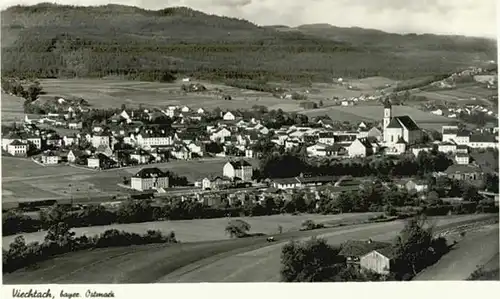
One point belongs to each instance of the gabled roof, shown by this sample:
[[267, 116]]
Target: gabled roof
[[456, 168], [17, 142], [463, 133], [482, 138], [408, 122], [239, 164], [146, 173], [357, 248]]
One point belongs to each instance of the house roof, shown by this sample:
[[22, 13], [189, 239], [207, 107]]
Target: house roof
[[482, 138], [365, 142], [463, 133], [456, 168], [17, 142], [239, 164], [153, 172], [358, 248], [388, 251], [450, 131], [326, 135]]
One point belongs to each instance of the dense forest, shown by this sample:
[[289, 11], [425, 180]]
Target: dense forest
[[49, 40]]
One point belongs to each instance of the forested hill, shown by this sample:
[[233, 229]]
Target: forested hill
[[48, 40]]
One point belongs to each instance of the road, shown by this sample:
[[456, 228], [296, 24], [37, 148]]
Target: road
[[262, 265], [241, 260], [476, 249]]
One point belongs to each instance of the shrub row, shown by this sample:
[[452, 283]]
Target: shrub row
[[60, 240]]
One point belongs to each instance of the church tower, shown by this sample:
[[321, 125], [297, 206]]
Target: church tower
[[387, 113]]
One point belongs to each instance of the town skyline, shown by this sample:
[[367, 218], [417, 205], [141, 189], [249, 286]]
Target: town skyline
[[420, 17]]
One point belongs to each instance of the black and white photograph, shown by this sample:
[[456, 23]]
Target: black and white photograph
[[263, 141]]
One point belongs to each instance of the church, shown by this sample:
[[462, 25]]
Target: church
[[399, 131]]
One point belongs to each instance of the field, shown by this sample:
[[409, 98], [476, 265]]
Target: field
[[462, 94], [240, 260], [200, 230], [375, 113], [12, 108], [23, 179]]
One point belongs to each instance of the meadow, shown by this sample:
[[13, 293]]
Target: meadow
[[462, 94], [375, 113], [12, 108], [200, 230], [24, 180]]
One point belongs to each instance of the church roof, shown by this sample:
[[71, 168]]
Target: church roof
[[405, 120], [387, 104]]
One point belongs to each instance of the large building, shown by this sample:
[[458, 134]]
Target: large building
[[149, 178], [241, 170], [399, 128]]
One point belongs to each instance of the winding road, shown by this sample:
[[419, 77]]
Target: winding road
[[242, 260]]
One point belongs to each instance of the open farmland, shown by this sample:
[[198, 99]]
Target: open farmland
[[461, 95], [200, 230], [12, 108], [246, 259], [375, 113], [25, 180], [107, 93]]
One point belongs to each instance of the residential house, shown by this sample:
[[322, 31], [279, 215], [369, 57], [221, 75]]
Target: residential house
[[447, 147], [149, 138], [420, 148], [75, 125], [462, 159], [317, 150], [417, 185], [469, 173], [361, 147], [353, 250], [216, 183], [101, 138], [49, 158], [483, 141], [141, 156], [17, 148], [462, 149], [449, 133], [104, 149], [99, 161], [74, 155], [230, 115], [196, 148], [238, 169], [149, 178], [181, 152], [326, 138], [463, 137], [69, 140], [302, 181], [200, 111], [220, 134]]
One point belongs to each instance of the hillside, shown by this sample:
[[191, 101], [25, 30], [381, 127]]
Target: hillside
[[48, 40]]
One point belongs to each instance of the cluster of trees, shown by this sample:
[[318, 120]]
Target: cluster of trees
[[316, 261], [477, 118], [280, 165], [60, 239], [96, 47]]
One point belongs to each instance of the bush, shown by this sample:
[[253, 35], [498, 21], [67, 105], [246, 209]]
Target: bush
[[310, 225]]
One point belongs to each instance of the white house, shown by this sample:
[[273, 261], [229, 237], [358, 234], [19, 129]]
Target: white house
[[241, 170], [148, 139], [360, 147], [417, 185], [317, 150], [463, 137], [149, 178], [50, 158], [326, 138], [483, 141], [200, 111], [17, 148], [185, 109], [447, 147], [462, 159], [100, 139], [220, 134], [75, 125], [378, 261], [422, 148], [449, 133]]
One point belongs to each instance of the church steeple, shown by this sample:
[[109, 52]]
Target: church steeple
[[387, 113]]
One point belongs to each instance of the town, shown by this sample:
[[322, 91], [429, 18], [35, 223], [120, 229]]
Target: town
[[246, 153]]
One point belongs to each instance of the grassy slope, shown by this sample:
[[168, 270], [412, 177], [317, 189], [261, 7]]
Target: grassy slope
[[82, 38], [127, 264]]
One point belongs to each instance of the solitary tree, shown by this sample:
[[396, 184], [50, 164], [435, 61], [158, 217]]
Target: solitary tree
[[237, 228]]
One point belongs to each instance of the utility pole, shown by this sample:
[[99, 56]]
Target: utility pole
[[71, 194]]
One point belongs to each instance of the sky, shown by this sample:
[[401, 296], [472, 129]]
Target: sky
[[460, 17]]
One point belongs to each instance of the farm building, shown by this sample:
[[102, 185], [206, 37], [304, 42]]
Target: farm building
[[465, 173], [378, 260], [149, 178], [17, 148], [353, 250]]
